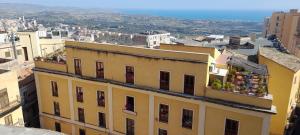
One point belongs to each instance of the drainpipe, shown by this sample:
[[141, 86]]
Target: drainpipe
[[31, 46], [13, 40]]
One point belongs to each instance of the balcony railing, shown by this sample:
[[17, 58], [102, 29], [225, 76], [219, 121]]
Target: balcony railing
[[11, 105], [263, 102]]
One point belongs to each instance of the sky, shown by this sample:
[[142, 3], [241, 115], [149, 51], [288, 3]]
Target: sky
[[170, 4]]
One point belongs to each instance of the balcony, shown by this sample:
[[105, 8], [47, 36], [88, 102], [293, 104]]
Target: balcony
[[11, 106], [262, 102], [245, 83]]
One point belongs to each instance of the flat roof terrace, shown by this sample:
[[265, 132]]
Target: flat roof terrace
[[195, 57]]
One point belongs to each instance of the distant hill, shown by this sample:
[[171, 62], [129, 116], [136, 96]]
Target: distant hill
[[114, 21]]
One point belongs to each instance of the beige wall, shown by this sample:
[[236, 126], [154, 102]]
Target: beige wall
[[10, 82]]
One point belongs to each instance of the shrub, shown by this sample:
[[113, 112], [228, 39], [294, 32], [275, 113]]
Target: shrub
[[217, 84]]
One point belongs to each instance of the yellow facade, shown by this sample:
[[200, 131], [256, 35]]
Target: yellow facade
[[145, 91], [285, 91]]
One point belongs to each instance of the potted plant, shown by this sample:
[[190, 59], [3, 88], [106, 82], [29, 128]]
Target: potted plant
[[260, 92], [243, 90], [217, 84]]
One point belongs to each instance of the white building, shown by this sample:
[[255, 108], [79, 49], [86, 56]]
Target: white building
[[42, 33], [3, 38], [155, 38]]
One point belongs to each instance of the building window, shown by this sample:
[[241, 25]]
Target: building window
[[81, 132], [129, 104], [101, 98], [129, 75], [4, 101], [163, 113], [79, 94], [54, 89], [164, 80], [57, 127], [77, 65], [231, 127], [162, 132], [81, 115], [99, 70], [7, 54], [129, 126], [19, 52], [189, 82], [56, 109], [102, 122], [187, 118], [8, 120]]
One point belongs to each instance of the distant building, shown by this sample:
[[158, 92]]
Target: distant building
[[42, 33], [286, 27], [239, 40], [3, 37], [149, 39], [155, 38]]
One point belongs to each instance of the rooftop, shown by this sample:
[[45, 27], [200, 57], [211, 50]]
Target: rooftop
[[194, 57], [287, 60], [154, 32], [11, 130]]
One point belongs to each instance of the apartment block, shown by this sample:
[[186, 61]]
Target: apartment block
[[286, 27], [114, 89]]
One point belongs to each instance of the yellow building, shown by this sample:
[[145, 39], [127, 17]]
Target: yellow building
[[109, 89], [29, 46], [284, 70], [286, 26], [10, 103]]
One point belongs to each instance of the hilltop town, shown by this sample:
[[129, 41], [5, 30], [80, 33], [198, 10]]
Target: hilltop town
[[99, 72]]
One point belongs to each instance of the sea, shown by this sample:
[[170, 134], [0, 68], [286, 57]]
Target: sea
[[216, 15]]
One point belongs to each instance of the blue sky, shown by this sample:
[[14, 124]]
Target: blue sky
[[169, 4]]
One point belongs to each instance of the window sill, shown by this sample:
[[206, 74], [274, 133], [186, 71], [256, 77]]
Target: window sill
[[185, 127], [101, 106], [129, 112]]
